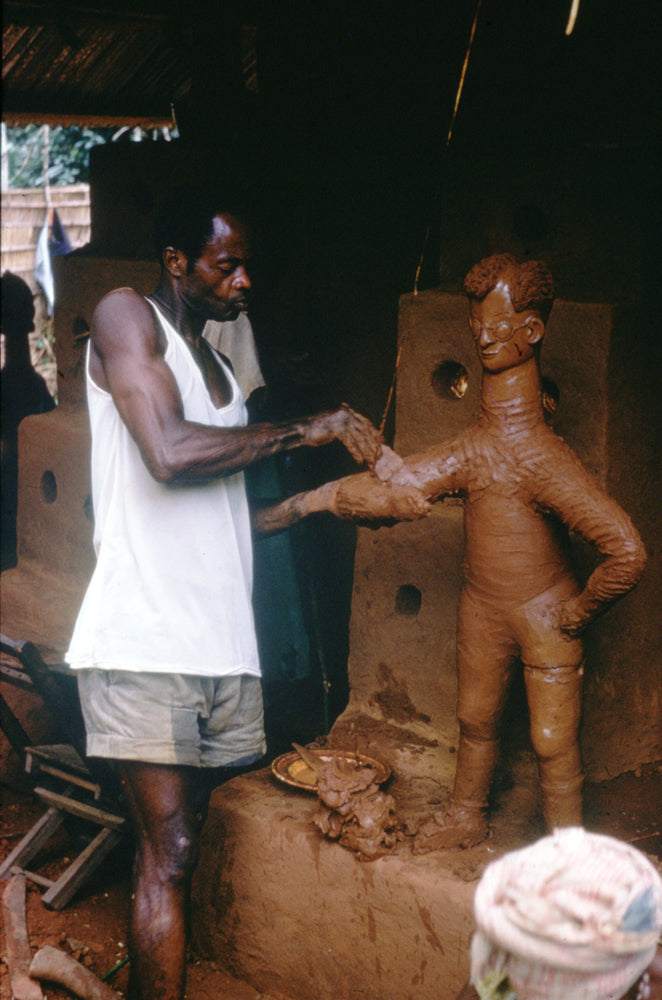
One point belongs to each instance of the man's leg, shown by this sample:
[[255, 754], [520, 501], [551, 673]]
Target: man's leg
[[161, 800]]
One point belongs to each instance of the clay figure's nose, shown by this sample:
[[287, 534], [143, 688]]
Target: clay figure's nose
[[486, 336]]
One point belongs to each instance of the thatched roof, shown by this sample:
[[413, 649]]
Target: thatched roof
[[99, 62]]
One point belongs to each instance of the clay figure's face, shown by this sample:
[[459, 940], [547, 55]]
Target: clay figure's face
[[504, 338], [217, 285]]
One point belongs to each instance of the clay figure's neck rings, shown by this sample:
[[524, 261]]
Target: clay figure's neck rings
[[512, 400]]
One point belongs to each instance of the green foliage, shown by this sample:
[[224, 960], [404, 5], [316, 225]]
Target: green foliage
[[68, 154]]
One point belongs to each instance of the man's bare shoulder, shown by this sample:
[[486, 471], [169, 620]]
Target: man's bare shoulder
[[121, 303], [124, 316]]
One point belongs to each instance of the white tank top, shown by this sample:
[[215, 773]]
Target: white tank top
[[171, 591]]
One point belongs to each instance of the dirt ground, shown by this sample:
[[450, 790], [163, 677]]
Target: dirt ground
[[92, 928]]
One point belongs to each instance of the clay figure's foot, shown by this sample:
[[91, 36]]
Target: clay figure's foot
[[456, 827]]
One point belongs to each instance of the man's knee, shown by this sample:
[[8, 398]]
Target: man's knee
[[171, 854]]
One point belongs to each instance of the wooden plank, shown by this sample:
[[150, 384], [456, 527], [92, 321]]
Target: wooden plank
[[16, 676], [59, 894], [57, 772], [39, 880], [27, 848], [81, 809], [61, 755]]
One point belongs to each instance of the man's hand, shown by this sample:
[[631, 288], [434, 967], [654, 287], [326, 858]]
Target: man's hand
[[362, 440]]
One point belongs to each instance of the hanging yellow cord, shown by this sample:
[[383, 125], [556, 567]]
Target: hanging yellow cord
[[574, 10], [458, 96]]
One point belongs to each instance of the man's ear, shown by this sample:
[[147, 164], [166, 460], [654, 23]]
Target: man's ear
[[536, 329], [174, 262]]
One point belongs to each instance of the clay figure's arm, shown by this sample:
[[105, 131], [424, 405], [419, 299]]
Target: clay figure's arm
[[566, 489], [362, 499], [413, 484], [128, 350]]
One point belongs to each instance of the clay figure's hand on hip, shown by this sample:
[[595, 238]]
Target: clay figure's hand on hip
[[571, 619]]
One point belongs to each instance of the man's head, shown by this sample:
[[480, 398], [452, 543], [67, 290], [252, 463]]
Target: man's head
[[575, 916], [510, 303], [204, 246], [17, 307]]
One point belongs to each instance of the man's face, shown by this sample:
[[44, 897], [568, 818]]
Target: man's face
[[504, 338], [218, 284]]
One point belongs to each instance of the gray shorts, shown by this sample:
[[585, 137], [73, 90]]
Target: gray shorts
[[172, 718]]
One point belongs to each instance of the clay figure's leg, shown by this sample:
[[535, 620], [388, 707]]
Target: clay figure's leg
[[485, 667], [553, 676], [554, 696]]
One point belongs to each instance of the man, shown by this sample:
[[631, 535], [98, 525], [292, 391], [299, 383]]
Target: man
[[520, 484], [575, 916], [164, 642]]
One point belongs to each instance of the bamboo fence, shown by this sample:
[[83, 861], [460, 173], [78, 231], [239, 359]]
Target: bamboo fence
[[24, 211]]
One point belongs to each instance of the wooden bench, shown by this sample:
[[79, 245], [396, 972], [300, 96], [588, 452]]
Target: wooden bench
[[75, 790]]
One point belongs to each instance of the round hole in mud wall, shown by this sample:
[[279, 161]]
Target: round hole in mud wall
[[550, 396], [49, 486], [450, 380], [80, 329], [408, 600], [88, 508]]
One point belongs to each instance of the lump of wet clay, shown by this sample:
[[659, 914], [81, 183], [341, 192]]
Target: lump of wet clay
[[354, 810]]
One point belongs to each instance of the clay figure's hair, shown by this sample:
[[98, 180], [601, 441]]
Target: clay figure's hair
[[184, 220], [17, 306], [529, 282]]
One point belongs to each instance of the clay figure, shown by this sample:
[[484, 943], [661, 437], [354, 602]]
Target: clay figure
[[523, 489]]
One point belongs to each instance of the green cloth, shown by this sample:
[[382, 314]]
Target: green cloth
[[494, 986], [280, 626]]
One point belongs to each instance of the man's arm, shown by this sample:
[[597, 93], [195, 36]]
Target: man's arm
[[566, 489], [128, 359]]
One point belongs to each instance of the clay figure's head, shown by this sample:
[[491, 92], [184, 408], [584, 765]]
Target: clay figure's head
[[510, 303], [204, 247], [17, 307]]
